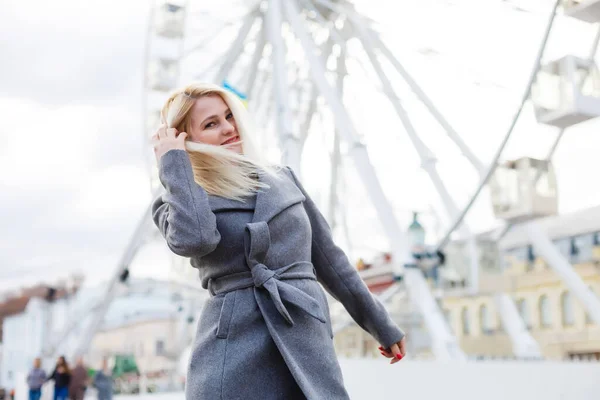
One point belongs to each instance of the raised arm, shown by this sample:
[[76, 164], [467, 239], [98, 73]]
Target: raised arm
[[341, 279], [182, 213]]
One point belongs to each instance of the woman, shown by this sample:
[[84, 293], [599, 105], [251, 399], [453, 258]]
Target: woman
[[62, 378], [260, 245]]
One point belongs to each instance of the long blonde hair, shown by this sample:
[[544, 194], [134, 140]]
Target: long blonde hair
[[219, 171]]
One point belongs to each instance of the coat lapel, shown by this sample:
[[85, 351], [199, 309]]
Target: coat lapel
[[281, 194], [218, 203]]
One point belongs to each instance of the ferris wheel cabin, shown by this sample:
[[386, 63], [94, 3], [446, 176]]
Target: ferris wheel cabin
[[524, 189], [170, 18], [584, 10], [567, 92], [162, 74]]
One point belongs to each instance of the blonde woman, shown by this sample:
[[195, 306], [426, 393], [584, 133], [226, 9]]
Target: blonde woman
[[260, 245]]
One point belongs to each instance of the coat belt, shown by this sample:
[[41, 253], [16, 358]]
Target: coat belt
[[272, 281]]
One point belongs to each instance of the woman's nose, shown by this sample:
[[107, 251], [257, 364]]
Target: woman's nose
[[227, 128]]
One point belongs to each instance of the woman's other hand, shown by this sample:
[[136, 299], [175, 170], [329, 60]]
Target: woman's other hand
[[166, 139], [396, 352]]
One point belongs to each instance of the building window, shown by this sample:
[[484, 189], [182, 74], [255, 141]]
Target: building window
[[464, 316], [510, 257], [524, 312], [484, 319], [448, 318], [160, 347], [566, 302], [518, 254], [597, 239], [545, 312], [582, 248]]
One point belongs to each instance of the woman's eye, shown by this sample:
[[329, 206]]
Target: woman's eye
[[229, 116], [209, 125]]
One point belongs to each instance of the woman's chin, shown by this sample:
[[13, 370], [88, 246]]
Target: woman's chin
[[235, 147]]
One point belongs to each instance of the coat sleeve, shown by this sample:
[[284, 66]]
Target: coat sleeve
[[183, 214], [342, 280]]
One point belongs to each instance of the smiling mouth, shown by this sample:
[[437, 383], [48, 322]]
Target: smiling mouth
[[231, 140]]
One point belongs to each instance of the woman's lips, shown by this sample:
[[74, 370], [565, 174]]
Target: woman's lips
[[232, 140]]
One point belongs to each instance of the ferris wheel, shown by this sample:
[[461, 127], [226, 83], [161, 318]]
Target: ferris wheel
[[309, 71]]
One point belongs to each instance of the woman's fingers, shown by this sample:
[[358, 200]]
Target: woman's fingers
[[182, 136], [395, 350], [385, 352], [171, 132], [161, 131]]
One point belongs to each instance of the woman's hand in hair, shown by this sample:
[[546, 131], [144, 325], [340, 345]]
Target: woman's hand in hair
[[166, 139]]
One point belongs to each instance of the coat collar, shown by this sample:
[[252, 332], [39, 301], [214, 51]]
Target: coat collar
[[218, 203], [281, 194]]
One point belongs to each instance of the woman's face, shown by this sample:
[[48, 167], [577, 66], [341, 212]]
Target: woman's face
[[213, 123]]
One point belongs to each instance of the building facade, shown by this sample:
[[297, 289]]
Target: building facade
[[554, 316], [149, 339]]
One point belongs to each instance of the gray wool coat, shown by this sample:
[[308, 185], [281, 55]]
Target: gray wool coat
[[265, 333]]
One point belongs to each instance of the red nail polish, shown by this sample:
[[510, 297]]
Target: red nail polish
[[399, 356], [380, 348]]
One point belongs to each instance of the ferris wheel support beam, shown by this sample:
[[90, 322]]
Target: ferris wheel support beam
[[330, 25], [259, 92], [452, 134], [131, 250], [310, 112], [342, 120], [376, 42], [326, 49], [254, 63], [98, 310], [428, 160], [524, 345], [335, 155], [523, 342], [444, 343], [543, 246], [290, 144], [236, 48]]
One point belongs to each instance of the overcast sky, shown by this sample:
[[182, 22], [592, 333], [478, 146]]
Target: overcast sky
[[72, 179]]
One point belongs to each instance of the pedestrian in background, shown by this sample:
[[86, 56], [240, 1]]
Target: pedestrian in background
[[35, 380]]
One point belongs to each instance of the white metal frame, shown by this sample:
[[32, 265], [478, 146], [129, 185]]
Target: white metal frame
[[444, 343]]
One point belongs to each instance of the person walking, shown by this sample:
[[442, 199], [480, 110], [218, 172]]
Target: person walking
[[103, 382], [36, 379], [61, 377], [79, 381]]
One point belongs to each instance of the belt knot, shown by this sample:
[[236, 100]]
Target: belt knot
[[261, 274]]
